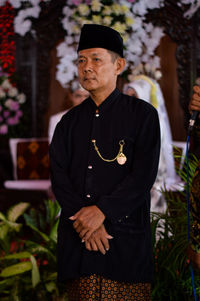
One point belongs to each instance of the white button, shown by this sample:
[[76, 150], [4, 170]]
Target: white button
[[89, 166], [127, 216], [88, 196], [97, 115], [119, 220]]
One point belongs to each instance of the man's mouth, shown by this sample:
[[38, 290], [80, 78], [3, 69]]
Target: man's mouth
[[88, 78]]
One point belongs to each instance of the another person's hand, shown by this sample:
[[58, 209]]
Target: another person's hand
[[99, 240], [194, 104], [87, 220]]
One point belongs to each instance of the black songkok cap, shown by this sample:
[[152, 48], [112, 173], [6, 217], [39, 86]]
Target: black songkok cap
[[99, 36]]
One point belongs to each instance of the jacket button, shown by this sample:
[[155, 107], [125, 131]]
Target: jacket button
[[89, 166], [119, 220], [88, 196], [127, 216]]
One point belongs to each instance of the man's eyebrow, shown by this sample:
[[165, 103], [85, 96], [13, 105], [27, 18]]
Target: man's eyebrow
[[93, 54]]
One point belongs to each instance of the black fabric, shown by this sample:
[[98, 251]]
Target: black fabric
[[122, 192], [99, 36]]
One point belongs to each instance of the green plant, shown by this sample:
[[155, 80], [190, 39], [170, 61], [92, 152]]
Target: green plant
[[28, 267], [172, 271]]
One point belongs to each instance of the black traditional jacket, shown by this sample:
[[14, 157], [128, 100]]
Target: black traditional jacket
[[81, 178]]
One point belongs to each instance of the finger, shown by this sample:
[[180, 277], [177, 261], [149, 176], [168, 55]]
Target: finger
[[88, 246], [106, 234], [82, 233], [196, 89], [74, 217], [100, 246], [87, 235], [93, 245], [79, 228], [105, 243]]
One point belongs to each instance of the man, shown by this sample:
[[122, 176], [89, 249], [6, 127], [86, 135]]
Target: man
[[77, 96], [104, 158]]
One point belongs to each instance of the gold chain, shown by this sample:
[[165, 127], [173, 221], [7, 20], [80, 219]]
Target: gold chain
[[120, 153]]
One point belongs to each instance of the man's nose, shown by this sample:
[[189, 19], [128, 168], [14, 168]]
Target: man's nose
[[87, 66]]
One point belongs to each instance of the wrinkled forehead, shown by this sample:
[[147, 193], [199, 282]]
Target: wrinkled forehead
[[93, 52]]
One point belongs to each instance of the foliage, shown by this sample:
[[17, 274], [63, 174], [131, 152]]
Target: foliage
[[172, 269], [28, 253]]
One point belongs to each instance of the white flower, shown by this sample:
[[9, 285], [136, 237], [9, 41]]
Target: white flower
[[12, 92], [8, 103], [107, 20], [96, 19], [116, 8], [124, 9], [15, 3], [129, 21], [121, 28], [6, 84], [76, 29], [157, 74], [96, 5], [21, 24], [107, 10], [21, 98], [2, 2], [83, 9], [21, 27], [2, 93]]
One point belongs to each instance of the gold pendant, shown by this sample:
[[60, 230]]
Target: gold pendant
[[121, 159]]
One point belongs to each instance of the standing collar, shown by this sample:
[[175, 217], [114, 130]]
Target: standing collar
[[107, 102]]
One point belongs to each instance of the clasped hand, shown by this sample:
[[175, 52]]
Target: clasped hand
[[88, 223]]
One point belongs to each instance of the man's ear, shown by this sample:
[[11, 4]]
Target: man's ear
[[120, 64]]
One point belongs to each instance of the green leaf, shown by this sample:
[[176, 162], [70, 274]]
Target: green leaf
[[35, 272], [17, 210], [51, 286], [53, 233], [36, 248], [2, 216], [16, 269], [18, 255], [3, 231], [43, 235], [31, 218], [13, 226]]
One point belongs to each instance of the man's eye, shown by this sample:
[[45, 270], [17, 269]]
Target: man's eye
[[81, 61], [96, 59]]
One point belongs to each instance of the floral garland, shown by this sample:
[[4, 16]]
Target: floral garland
[[11, 102], [126, 16]]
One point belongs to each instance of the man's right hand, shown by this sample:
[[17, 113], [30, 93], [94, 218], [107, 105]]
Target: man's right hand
[[99, 240], [194, 104]]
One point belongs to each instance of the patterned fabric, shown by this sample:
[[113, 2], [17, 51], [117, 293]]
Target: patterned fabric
[[32, 160], [195, 209], [97, 288]]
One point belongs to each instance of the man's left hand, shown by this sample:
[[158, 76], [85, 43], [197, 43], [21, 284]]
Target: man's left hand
[[87, 220]]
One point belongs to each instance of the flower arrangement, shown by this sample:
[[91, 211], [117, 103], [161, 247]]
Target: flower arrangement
[[126, 16], [11, 102]]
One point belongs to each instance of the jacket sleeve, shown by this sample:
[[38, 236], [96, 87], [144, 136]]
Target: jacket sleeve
[[135, 188], [62, 187]]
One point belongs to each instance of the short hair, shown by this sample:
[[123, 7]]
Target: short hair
[[114, 55]]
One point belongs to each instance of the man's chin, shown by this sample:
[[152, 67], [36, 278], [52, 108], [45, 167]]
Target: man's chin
[[89, 86]]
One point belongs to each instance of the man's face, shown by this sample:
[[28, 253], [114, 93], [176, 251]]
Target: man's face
[[78, 96], [96, 69]]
